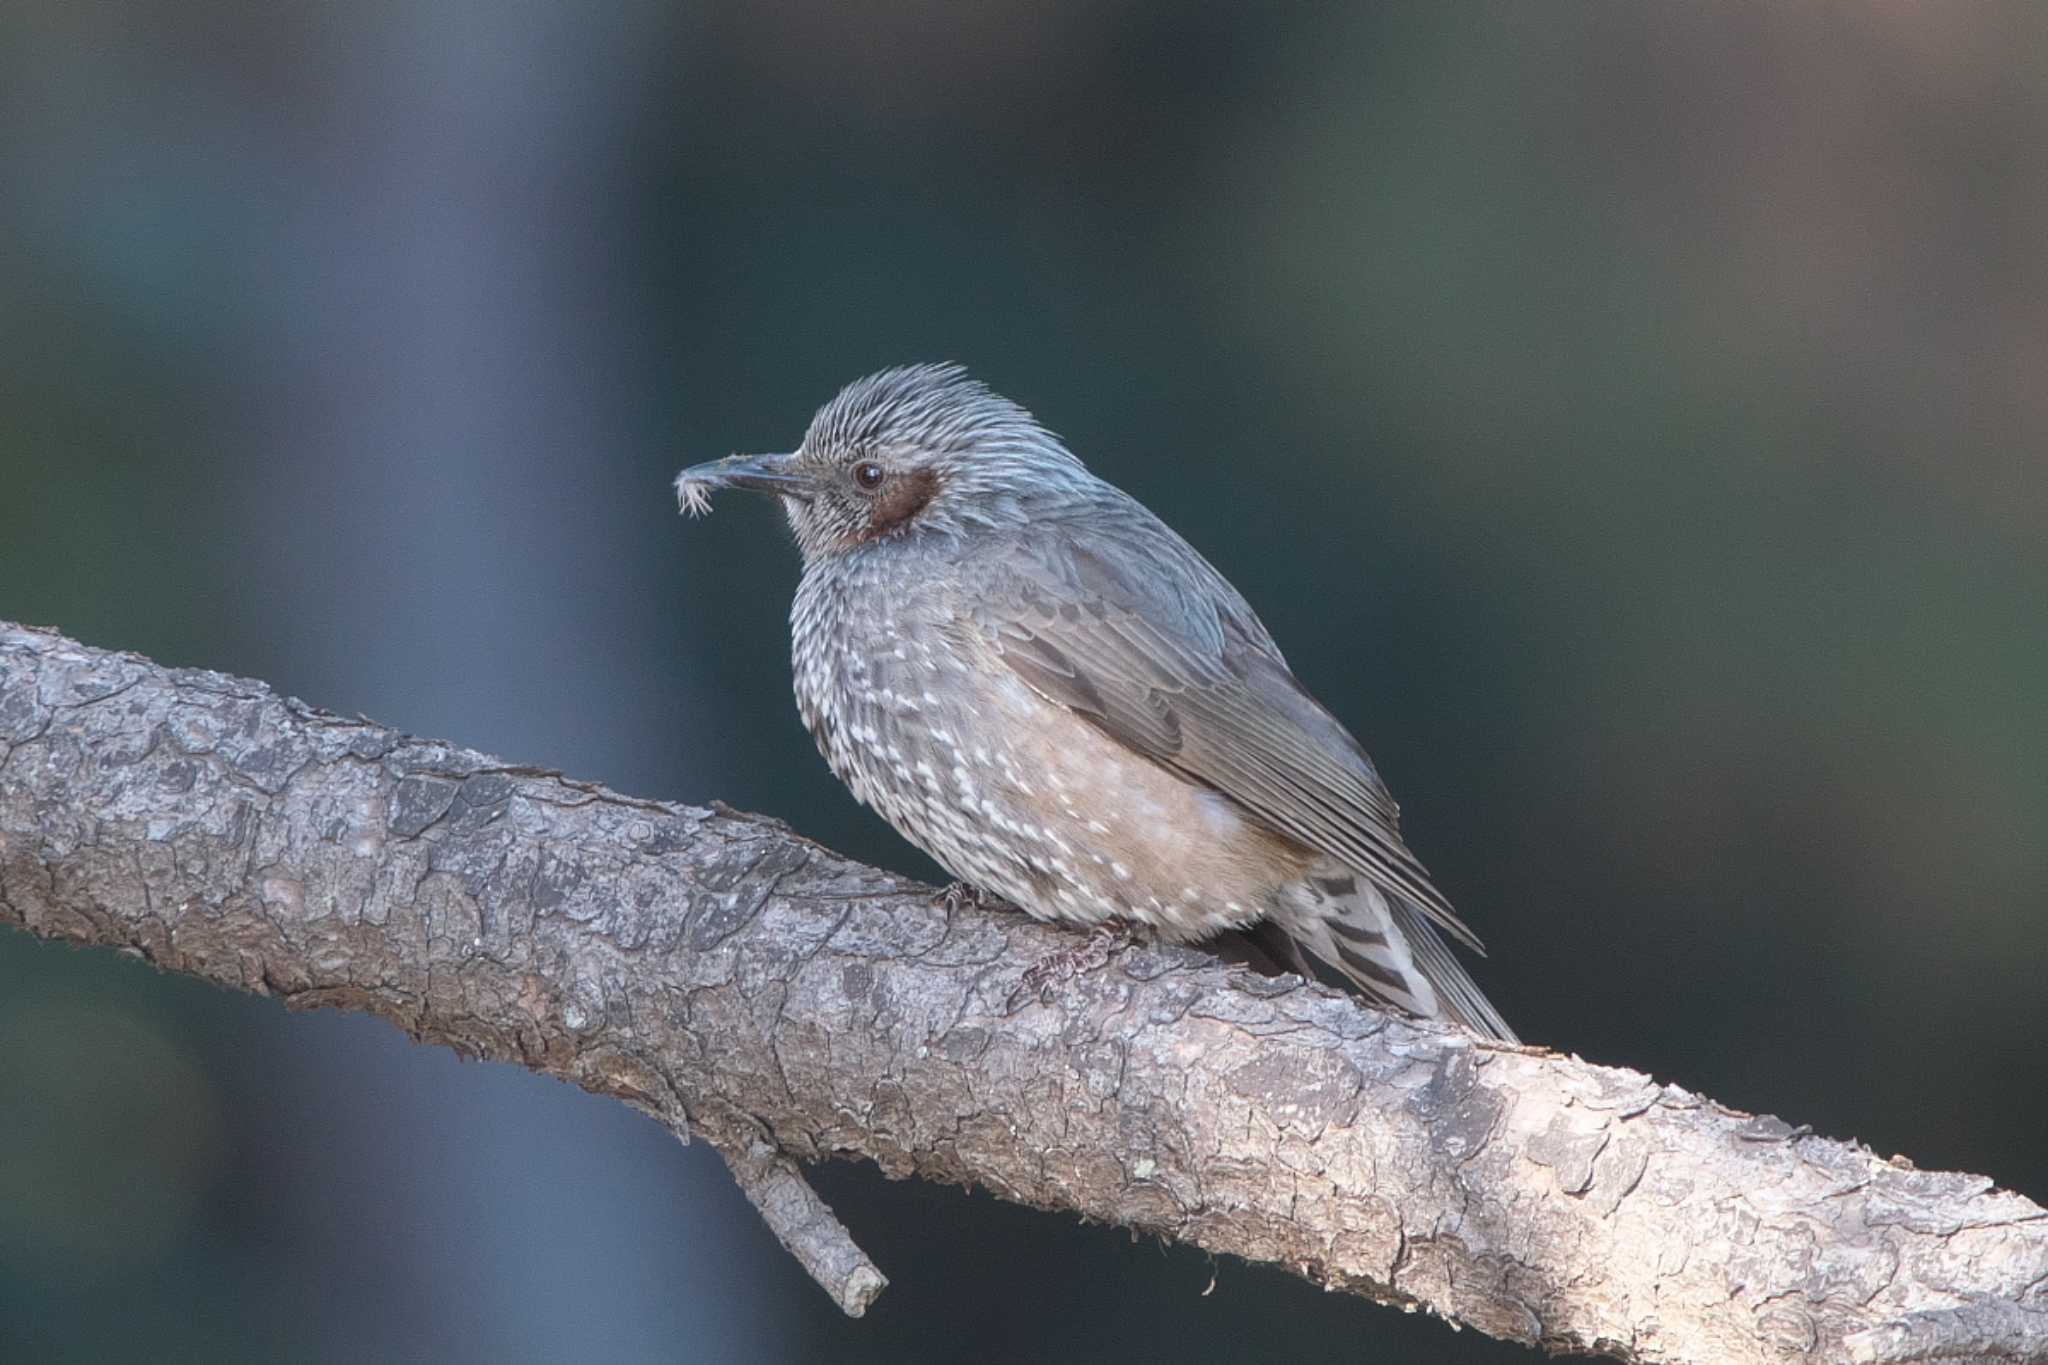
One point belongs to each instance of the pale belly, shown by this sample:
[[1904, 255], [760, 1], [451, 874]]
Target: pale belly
[[1023, 798]]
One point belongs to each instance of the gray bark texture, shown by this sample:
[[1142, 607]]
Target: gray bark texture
[[743, 985]]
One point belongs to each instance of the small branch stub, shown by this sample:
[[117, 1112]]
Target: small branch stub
[[807, 1227]]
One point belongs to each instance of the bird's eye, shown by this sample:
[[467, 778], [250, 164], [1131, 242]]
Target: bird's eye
[[868, 475]]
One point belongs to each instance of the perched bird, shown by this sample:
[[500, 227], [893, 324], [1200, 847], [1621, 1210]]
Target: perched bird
[[1044, 687]]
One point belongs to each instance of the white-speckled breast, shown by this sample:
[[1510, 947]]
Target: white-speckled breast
[[1006, 790]]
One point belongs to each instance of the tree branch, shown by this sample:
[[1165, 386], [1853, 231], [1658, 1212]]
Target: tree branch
[[734, 980]]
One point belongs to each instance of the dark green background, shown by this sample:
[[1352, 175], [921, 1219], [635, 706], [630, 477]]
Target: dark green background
[[1631, 422]]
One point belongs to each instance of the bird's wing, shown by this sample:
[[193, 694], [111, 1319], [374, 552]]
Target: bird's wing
[[1127, 626]]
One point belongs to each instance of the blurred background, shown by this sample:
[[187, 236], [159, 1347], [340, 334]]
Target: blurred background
[[1633, 423]]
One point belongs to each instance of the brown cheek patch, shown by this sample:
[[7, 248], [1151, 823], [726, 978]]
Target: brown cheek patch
[[903, 499]]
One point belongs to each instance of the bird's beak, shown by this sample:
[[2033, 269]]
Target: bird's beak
[[755, 473]]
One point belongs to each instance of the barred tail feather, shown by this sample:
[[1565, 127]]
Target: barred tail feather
[[1454, 986], [1386, 948]]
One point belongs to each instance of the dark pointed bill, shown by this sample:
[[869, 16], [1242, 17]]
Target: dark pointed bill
[[755, 473]]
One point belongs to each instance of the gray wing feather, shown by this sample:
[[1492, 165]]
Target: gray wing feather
[[1167, 658], [1453, 984]]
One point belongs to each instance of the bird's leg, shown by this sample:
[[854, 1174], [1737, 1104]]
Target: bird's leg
[[956, 894], [1104, 943]]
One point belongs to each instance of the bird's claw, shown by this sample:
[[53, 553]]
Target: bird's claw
[[954, 895], [1091, 953]]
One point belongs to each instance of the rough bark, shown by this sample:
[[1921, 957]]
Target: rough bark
[[737, 982]]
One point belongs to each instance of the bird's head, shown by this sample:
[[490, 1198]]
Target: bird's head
[[917, 450]]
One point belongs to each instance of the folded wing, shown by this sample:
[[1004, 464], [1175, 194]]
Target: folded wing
[[1123, 623]]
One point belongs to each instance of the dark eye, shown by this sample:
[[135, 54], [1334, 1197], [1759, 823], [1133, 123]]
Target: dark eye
[[868, 475]]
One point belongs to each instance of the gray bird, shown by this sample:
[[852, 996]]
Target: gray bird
[[1044, 687]]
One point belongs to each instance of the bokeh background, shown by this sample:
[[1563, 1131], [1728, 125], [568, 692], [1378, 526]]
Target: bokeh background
[[1633, 422]]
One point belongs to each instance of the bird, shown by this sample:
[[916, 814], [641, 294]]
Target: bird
[[1055, 696]]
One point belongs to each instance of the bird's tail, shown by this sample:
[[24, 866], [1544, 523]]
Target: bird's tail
[[1386, 948]]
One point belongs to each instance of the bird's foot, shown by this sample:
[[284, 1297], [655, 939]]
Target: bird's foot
[[956, 894], [1091, 953]]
